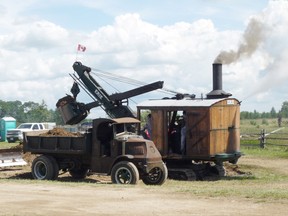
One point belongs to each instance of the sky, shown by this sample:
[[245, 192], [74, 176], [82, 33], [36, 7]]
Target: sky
[[172, 41]]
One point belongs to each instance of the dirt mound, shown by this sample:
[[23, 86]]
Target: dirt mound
[[235, 170], [60, 132], [28, 157]]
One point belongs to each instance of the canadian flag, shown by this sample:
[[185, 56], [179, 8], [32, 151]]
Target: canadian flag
[[81, 48]]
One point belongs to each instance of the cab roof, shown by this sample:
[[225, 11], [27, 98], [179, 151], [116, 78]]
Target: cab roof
[[183, 102], [125, 120]]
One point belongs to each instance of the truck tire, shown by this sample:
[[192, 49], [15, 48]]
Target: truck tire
[[124, 172], [156, 176], [11, 141], [45, 168], [79, 173]]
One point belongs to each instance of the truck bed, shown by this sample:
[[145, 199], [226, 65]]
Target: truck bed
[[37, 144]]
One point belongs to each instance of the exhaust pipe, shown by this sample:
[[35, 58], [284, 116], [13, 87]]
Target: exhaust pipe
[[217, 91]]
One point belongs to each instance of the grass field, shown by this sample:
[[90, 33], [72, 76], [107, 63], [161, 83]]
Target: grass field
[[262, 172], [249, 126]]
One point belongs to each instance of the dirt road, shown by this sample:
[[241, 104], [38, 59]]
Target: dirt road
[[97, 196], [51, 199]]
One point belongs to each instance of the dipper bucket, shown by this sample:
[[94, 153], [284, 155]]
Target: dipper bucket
[[71, 111]]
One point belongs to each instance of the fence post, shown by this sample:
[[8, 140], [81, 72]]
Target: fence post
[[262, 138]]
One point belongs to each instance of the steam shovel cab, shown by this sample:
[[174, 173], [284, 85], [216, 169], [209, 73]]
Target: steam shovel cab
[[212, 130]]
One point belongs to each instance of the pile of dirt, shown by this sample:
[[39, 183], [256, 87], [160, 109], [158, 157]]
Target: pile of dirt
[[60, 132], [234, 170], [18, 147], [28, 157]]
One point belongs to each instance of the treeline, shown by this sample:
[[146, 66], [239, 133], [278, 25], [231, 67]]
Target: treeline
[[29, 112], [282, 113], [258, 115]]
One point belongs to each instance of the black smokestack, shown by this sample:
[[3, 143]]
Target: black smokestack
[[217, 76], [217, 91]]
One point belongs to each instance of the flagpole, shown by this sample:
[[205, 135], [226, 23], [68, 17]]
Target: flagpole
[[80, 48], [76, 54]]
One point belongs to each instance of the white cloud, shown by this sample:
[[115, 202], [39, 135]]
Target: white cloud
[[36, 35], [37, 55]]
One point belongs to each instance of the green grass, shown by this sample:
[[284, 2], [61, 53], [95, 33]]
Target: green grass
[[276, 141], [259, 182], [5, 145], [251, 189], [265, 182], [268, 152], [253, 126]]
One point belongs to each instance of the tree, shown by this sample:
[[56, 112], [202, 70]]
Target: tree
[[35, 112], [273, 113], [56, 117], [284, 109], [11, 108], [29, 112], [256, 115]]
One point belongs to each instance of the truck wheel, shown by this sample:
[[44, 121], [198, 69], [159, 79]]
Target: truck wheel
[[11, 141], [124, 172], [79, 173], [45, 168], [156, 176]]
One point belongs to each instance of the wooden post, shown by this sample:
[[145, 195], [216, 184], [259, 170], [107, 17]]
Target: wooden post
[[262, 138]]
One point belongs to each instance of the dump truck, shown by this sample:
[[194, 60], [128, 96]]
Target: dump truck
[[212, 124], [110, 147]]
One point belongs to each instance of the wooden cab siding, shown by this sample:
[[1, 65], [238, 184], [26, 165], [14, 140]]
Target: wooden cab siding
[[213, 125]]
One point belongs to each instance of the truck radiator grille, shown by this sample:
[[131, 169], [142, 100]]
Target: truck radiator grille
[[135, 148]]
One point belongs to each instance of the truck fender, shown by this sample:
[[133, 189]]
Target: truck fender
[[120, 158]]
